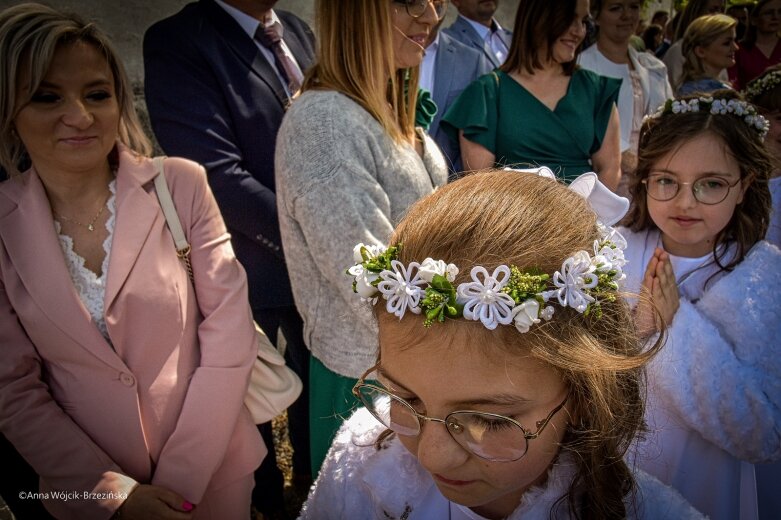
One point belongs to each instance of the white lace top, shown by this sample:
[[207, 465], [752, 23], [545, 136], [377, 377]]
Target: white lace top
[[90, 287]]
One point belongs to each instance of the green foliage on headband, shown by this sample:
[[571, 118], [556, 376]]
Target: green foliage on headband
[[525, 285], [381, 262], [440, 301]]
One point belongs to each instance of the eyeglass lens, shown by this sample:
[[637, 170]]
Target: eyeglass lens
[[488, 436], [708, 190], [416, 8]]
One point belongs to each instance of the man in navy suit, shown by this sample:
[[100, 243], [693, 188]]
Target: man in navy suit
[[448, 67], [216, 95], [477, 27]]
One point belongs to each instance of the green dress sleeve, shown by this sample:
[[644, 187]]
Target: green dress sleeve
[[606, 97], [475, 112]]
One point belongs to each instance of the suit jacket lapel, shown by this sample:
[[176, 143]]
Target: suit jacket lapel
[[245, 49], [136, 211], [31, 241], [477, 41], [443, 73]]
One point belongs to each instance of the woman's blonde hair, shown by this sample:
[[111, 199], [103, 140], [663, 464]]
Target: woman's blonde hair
[[495, 217], [702, 32], [355, 57], [29, 36]]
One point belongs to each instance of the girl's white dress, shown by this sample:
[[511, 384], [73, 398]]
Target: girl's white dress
[[715, 388], [358, 480]]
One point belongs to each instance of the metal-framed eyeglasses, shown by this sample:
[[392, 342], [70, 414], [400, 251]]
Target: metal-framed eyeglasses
[[707, 190], [489, 436], [416, 8]]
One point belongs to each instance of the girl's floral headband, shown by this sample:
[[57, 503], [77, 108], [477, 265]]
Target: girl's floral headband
[[736, 107], [761, 85], [508, 295]]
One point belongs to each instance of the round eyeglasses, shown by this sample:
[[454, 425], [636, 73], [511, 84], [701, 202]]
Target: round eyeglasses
[[416, 8], [489, 436], [708, 190]]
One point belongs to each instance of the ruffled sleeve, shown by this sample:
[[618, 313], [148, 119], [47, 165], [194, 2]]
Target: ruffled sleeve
[[606, 96], [475, 112]]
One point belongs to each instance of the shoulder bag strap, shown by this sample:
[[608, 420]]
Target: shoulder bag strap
[[171, 217]]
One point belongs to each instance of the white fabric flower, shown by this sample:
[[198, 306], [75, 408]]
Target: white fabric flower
[[363, 281], [610, 258], [526, 314], [574, 279], [431, 267], [402, 288], [373, 250], [483, 299]]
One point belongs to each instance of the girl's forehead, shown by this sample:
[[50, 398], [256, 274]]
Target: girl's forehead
[[458, 365]]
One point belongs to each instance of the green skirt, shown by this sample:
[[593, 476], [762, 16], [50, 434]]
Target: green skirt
[[331, 401]]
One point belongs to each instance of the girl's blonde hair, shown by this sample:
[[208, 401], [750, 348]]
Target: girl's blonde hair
[[29, 36], [702, 32], [495, 217], [355, 57]]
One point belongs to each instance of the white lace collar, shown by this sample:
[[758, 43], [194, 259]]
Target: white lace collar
[[91, 287]]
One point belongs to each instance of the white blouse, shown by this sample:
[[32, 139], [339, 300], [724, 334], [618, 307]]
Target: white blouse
[[91, 287]]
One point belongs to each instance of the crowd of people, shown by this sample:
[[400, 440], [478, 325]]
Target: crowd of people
[[527, 273]]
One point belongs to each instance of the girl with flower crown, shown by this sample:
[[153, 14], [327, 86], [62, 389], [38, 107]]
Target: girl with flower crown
[[699, 213], [509, 379]]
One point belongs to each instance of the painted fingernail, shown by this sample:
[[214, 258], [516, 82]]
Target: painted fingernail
[[187, 506]]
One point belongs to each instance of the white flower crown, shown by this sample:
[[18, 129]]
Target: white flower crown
[[759, 86], [508, 295], [735, 107]]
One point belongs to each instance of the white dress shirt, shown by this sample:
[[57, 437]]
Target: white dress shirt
[[426, 80], [492, 37]]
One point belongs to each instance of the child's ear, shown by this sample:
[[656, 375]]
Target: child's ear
[[699, 52]]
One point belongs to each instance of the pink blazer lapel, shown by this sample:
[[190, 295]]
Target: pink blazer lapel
[[137, 208], [31, 242]]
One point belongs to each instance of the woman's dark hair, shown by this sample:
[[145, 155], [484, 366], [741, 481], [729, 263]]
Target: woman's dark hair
[[538, 24], [649, 36], [663, 135], [693, 10]]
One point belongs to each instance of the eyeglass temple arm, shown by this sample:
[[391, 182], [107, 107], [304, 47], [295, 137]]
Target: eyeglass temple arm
[[543, 423]]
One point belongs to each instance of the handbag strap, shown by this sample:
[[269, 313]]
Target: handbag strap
[[172, 217]]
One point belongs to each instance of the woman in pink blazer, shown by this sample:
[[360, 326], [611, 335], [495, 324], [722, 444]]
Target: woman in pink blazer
[[120, 383]]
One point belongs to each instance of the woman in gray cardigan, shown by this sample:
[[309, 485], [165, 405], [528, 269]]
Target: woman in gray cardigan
[[349, 162]]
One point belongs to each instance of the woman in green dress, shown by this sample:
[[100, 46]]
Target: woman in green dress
[[540, 108]]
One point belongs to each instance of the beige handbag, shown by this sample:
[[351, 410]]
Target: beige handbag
[[273, 386]]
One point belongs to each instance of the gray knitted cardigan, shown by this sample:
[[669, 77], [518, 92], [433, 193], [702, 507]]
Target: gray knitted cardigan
[[341, 180]]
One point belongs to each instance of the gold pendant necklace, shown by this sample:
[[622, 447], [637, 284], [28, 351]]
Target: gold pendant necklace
[[91, 224]]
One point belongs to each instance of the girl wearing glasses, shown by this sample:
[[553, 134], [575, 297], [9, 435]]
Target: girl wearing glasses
[[484, 403], [699, 213], [349, 162]]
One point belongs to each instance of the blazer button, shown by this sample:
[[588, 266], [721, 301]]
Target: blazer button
[[127, 379], [259, 237]]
